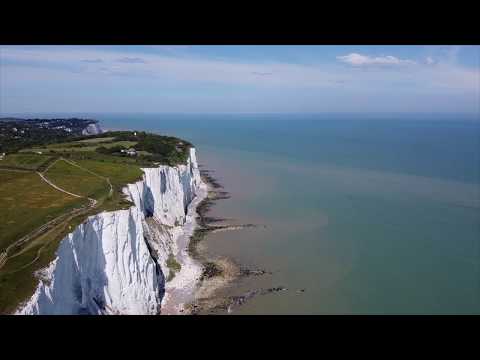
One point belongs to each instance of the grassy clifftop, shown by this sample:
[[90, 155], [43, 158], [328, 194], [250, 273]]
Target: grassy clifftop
[[48, 190], [150, 149]]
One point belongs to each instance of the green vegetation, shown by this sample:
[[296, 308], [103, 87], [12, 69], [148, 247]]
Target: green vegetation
[[119, 174], [77, 146], [30, 202], [96, 140], [150, 148], [27, 199], [76, 180], [16, 134], [195, 239], [27, 203], [24, 161], [17, 280], [41, 215], [174, 267], [157, 148], [164, 149]]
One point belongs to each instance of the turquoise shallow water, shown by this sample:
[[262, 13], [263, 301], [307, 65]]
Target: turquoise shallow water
[[368, 214]]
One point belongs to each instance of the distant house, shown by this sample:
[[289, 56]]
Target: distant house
[[131, 152], [2, 155]]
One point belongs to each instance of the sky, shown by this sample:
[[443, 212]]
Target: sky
[[239, 79]]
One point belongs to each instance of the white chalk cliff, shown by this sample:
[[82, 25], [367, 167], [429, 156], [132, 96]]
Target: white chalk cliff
[[115, 262], [92, 129]]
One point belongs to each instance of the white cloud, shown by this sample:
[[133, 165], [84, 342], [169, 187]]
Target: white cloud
[[355, 59], [173, 68], [66, 65], [429, 60]]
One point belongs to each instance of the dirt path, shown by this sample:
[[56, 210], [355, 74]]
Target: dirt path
[[80, 167], [58, 220], [69, 216], [40, 231], [56, 187], [91, 172], [50, 165]]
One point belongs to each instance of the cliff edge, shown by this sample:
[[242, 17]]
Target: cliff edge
[[119, 262]]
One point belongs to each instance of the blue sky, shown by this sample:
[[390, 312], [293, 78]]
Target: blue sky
[[240, 79]]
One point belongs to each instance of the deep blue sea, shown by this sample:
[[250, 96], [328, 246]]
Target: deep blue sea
[[369, 214]]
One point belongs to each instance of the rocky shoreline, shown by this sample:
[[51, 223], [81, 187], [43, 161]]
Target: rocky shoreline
[[218, 272]]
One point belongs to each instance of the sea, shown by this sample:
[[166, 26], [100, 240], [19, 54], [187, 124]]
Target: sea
[[358, 213]]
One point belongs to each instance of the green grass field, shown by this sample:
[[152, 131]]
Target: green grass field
[[17, 280], [96, 140], [76, 180], [24, 161], [82, 145], [119, 174], [27, 203]]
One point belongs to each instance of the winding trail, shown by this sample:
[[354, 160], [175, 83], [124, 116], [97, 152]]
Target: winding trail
[[56, 187], [41, 230], [51, 164], [58, 220], [91, 172]]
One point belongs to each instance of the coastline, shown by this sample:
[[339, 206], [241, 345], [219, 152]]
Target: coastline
[[192, 289], [99, 247], [219, 272], [181, 289], [201, 274]]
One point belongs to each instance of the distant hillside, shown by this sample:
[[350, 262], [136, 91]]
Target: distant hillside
[[18, 133]]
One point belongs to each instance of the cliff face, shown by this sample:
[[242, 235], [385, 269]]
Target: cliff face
[[115, 262], [92, 129]]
